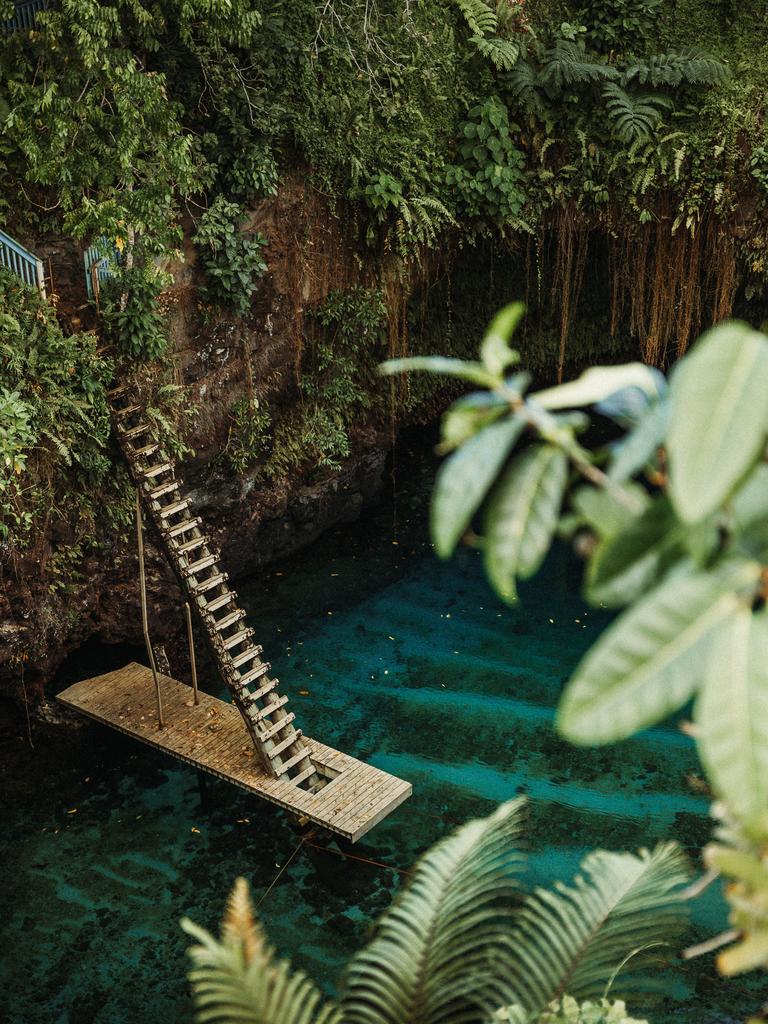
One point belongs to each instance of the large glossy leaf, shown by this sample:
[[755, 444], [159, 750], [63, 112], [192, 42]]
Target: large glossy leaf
[[627, 564], [572, 939], [732, 714], [521, 516], [653, 658], [464, 480], [597, 384], [719, 418], [430, 956]]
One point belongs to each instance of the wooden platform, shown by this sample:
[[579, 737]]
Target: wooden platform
[[211, 736]]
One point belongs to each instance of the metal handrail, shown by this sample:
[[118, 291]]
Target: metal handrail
[[98, 261], [22, 262], [24, 16]]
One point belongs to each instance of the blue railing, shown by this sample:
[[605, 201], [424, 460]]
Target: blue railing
[[99, 260], [24, 16], [22, 262]]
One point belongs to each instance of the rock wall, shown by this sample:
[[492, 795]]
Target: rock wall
[[214, 360]]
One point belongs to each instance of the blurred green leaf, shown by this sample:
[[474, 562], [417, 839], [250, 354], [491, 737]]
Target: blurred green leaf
[[495, 351], [596, 384], [719, 418], [628, 563], [653, 658], [465, 478], [522, 516], [732, 714], [475, 373]]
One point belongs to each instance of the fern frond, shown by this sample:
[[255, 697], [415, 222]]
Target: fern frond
[[428, 962], [566, 63], [571, 939], [524, 84], [479, 16], [236, 980], [62, 448], [634, 118], [502, 52], [673, 68]]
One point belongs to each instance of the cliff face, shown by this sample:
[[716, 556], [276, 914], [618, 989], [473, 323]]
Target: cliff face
[[253, 520]]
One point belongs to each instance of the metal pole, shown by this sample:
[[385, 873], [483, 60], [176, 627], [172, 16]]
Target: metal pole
[[145, 624], [191, 641]]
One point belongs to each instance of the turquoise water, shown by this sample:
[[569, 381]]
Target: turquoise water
[[404, 661]]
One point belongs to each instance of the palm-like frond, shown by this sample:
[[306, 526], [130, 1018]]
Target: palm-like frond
[[479, 16], [429, 958], [571, 939], [503, 53], [634, 118], [237, 980]]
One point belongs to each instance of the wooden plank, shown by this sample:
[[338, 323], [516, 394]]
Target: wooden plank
[[211, 736]]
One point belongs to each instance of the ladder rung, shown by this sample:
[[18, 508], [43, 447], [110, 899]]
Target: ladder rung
[[196, 567], [277, 727], [251, 698], [252, 652], [149, 449], [292, 761], [191, 545], [303, 776], [287, 742], [179, 528], [135, 431], [265, 712], [171, 510], [219, 602], [153, 471], [253, 674], [158, 492], [104, 350], [237, 638], [128, 410], [209, 584], [229, 620], [119, 390]]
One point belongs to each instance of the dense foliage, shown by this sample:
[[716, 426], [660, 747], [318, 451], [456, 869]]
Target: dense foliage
[[109, 114], [673, 515], [464, 943], [54, 423]]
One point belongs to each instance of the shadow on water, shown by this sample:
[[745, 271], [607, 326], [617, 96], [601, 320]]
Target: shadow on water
[[391, 656]]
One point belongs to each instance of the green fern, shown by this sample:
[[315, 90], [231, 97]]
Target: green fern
[[479, 16], [460, 945], [674, 68], [238, 980], [621, 908], [421, 220], [503, 53], [428, 962], [566, 63], [634, 118], [525, 85]]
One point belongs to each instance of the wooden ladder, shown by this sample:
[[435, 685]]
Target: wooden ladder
[[279, 744]]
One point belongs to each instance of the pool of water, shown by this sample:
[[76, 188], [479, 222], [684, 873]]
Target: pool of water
[[388, 655]]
